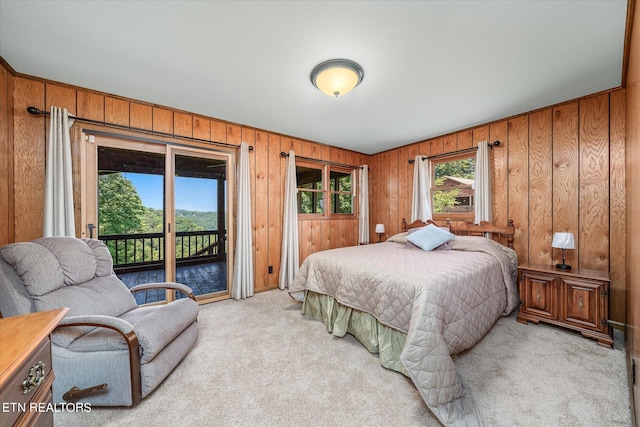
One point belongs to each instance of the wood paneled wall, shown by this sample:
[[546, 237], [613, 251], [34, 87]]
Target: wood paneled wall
[[24, 147], [557, 169], [6, 154], [633, 207]]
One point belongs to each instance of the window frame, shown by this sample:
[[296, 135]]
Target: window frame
[[328, 193], [448, 159]]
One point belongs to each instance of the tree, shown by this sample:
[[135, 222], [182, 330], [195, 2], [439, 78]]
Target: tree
[[460, 169], [444, 200], [119, 205]]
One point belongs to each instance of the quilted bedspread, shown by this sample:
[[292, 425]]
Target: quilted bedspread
[[445, 301]]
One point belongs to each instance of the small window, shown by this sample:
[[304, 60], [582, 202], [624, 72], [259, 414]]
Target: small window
[[341, 195], [316, 197], [453, 187], [310, 190]]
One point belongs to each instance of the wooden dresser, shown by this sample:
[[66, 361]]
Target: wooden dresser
[[577, 299], [26, 376]]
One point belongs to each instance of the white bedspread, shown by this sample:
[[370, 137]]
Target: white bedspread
[[445, 301]]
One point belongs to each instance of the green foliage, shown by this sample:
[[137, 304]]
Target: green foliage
[[121, 212], [444, 200], [460, 169], [202, 220], [119, 205], [152, 220], [306, 202], [339, 192]]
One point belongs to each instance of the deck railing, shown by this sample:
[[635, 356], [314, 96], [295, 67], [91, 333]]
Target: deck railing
[[146, 250]]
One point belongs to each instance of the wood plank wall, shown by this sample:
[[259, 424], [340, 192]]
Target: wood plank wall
[[26, 151], [633, 206], [557, 169], [6, 155]]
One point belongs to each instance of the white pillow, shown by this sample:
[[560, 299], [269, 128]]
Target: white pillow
[[430, 237]]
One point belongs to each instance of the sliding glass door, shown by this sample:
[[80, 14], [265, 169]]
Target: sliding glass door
[[200, 222], [162, 211], [131, 216]]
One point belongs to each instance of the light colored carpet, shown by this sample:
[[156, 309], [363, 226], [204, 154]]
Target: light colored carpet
[[259, 362]]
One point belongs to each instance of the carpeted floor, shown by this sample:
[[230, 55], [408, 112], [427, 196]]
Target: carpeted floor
[[259, 362]]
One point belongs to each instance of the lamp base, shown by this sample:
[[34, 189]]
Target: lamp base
[[563, 266]]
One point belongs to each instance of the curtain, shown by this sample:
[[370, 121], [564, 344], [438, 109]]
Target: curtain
[[363, 204], [421, 200], [482, 184], [243, 284], [59, 217], [289, 262]]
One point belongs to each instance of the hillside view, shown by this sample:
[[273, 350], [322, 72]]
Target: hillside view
[[121, 211]]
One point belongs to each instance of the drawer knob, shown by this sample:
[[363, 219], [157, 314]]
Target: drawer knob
[[34, 379]]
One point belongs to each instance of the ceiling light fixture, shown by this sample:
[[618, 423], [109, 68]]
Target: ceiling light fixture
[[337, 77]]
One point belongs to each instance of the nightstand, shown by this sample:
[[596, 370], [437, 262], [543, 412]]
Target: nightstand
[[26, 377], [576, 299]]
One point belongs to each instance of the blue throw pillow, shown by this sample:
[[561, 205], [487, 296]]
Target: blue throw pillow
[[430, 237]]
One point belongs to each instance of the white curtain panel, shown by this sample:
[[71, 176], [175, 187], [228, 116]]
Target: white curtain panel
[[290, 260], [363, 205], [243, 283], [58, 192], [482, 184], [421, 199]]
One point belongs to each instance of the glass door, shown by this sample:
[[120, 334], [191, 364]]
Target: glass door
[[131, 216], [163, 212], [200, 212]]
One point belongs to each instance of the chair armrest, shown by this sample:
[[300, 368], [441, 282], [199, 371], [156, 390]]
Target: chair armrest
[[165, 285], [118, 325], [125, 329]]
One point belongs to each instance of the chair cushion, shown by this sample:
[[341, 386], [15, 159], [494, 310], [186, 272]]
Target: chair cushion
[[105, 339], [161, 326], [75, 257], [37, 267], [106, 296], [104, 262]]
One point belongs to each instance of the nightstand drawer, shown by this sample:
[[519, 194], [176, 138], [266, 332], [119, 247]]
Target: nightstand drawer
[[26, 383]]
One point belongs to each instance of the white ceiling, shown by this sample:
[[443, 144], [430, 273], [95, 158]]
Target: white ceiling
[[431, 67]]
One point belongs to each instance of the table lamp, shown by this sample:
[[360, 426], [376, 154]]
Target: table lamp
[[563, 241], [380, 231]]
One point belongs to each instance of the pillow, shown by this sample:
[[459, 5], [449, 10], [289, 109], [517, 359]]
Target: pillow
[[430, 237], [443, 247], [398, 238], [408, 243]]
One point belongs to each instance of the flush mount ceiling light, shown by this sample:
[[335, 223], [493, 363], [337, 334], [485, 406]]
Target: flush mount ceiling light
[[337, 77]]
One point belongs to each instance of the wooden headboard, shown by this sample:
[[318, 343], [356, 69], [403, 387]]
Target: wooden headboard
[[468, 228]]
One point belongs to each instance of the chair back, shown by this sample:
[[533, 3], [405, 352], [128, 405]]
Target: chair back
[[56, 272]]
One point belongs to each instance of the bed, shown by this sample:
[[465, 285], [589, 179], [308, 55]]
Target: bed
[[416, 307]]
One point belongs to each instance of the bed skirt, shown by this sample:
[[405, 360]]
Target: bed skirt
[[340, 320]]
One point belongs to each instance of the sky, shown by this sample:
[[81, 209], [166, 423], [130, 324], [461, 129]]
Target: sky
[[193, 194]]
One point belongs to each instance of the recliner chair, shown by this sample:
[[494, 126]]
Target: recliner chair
[[107, 351]]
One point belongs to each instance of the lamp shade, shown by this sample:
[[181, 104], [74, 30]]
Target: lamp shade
[[563, 241], [379, 228], [337, 77]]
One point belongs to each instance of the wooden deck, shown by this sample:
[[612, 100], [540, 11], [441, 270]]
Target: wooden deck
[[202, 278]]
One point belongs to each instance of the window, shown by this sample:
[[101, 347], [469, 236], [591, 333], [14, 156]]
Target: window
[[310, 189], [341, 195], [315, 196], [452, 187]]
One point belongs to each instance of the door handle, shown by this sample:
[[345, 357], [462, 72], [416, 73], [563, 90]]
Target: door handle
[[91, 227]]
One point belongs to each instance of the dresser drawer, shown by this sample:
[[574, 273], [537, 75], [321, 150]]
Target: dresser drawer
[[26, 383]]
